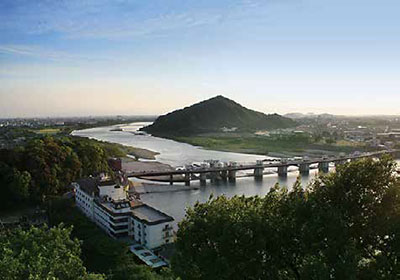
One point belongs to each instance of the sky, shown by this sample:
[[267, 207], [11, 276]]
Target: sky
[[97, 57]]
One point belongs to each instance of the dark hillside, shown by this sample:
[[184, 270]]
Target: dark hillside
[[211, 116]]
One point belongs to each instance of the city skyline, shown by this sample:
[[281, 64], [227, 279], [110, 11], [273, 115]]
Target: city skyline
[[80, 58]]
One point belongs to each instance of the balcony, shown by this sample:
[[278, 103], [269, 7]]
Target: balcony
[[119, 227], [119, 221]]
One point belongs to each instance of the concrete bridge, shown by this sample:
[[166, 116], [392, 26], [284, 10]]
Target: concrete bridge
[[227, 172]]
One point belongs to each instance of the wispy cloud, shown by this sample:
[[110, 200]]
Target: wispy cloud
[[116, 19], [44, 53], [151, 26]]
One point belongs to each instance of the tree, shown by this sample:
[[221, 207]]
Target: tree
[[51, 164], [361, 201], [14, 186], [92, 157], [42, 253], [132, 271], [345, 225]]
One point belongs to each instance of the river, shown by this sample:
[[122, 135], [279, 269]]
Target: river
[[178, 154]]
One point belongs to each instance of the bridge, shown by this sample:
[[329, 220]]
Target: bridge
[[228, 171]]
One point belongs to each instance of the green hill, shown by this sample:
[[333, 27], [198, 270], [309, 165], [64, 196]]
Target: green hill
[[213, 115]]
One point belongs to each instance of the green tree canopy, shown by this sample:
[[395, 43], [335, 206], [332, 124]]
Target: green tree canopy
[[132, 271], [47, 165], [51, 164], [14, 186], [41, 253], [345, 225]]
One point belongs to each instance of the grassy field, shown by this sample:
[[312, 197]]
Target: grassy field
[[48, 131], [284, 146]]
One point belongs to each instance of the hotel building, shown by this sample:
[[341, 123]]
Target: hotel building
[[105, 202]]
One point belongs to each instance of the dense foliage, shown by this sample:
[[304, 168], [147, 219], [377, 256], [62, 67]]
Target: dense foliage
[[211, 116], [42, 253], [45, 166], [345, 225]]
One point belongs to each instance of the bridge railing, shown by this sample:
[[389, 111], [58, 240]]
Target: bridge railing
[[239, 167]]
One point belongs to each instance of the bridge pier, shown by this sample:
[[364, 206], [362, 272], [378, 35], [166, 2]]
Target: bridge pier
[[203, 179], [232, 173], [232, 176], [187, 179], [323, 166], [282, 171], [259, 173], [304, 168], [214, 175], [171, 179], [259, 170], [224, 175]]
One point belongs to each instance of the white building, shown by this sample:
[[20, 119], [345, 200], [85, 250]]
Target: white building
[[106, 203]]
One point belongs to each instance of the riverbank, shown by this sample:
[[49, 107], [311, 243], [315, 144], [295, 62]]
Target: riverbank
[[123, 151], [284, 147], [139, 153]]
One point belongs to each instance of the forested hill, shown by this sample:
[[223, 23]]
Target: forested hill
[[213, 115]]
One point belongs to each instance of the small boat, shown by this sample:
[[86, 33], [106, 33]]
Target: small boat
[[139, 133]]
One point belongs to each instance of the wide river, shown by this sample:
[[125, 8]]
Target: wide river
[[178, 154]]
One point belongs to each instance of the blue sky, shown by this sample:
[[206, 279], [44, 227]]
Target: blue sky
[[87, 57]]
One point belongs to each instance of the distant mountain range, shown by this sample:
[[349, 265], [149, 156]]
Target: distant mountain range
[[215, 115]]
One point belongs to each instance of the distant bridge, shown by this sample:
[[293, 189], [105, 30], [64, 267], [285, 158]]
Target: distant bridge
[[228, 171]]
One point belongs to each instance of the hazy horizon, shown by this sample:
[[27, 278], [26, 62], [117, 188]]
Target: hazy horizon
[[98, 58]]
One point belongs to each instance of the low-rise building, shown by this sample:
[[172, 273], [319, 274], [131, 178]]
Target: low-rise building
[[106, 203]]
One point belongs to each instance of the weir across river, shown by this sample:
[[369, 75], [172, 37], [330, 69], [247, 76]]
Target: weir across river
[[227, 172]]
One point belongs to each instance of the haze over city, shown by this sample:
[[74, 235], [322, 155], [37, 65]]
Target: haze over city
[[67, 58]]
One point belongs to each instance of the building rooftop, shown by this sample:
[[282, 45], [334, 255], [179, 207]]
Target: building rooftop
[[115, 209], [147, 256], [150, 215], [134, 203], [90, 185]]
